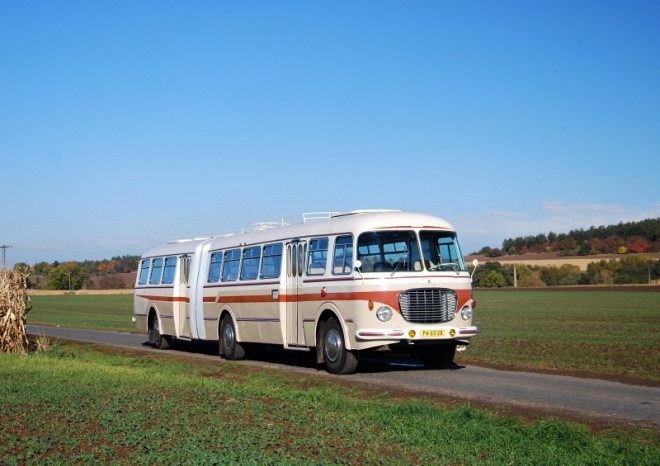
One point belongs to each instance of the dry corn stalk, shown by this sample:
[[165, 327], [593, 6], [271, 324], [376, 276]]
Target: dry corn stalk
[[14, 306]]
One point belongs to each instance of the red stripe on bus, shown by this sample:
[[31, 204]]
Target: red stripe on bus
[[168, 299], [390, 298]]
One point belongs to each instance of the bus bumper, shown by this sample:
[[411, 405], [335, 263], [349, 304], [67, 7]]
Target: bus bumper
[[413, 334]]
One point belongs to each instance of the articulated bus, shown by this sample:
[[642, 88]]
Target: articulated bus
[[338, 285]]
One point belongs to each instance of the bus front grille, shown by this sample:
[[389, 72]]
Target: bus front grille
[[428, 305]]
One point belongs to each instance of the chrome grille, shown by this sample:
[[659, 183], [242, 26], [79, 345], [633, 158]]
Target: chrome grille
[[428, 305]]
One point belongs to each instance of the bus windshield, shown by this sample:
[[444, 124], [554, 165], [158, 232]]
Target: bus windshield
[[400, 251], [389, 251], [441, 251]]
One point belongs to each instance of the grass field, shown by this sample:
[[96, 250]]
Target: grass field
[[78, 404], [604, 332], [615, 333], [102, 312]]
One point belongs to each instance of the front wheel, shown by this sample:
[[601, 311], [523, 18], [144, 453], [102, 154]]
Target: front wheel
[[337, 359], [229, 346]]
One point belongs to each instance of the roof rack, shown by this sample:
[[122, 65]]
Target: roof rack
[[201, 238], [286, 221], [187, 240], [363, 211]]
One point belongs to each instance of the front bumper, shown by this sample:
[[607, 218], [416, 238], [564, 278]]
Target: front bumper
[[416, 333]]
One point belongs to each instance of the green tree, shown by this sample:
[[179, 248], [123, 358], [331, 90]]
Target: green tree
[[68, 276], [484, 278], [602, 272], [492, 279], [41, 268], [632, 270]]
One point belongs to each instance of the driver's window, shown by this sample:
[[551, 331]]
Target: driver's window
[[441, 251]]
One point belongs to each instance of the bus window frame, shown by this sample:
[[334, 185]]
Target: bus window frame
[[143, 278], [247, 262], [314, 263], [346, 267], [169, 271], [154, 267], [229, 277]]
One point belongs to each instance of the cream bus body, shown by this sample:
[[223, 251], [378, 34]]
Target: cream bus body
[[353, 282]]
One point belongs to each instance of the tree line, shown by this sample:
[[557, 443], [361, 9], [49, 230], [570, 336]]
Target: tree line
[[624, 238], [628, 270], [78, 275]]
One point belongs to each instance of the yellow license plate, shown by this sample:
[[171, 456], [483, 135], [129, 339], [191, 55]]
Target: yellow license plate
[[433, 333]]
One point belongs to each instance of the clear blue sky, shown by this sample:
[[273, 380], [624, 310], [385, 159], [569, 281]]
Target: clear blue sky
[[125, 124]]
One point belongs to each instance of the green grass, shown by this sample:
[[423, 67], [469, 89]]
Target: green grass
[[76, 405], [605, 332], [102, 312]]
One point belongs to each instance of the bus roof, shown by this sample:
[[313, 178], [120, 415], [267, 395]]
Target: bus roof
[[352, 222], [177, 247], [347, 222]]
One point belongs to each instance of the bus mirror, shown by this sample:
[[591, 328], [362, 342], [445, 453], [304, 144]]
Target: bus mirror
[[475, 262], [358, 265]]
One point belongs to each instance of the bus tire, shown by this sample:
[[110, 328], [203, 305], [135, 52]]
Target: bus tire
[[337, 359], [441, 358], [156, 339], [229, 346]]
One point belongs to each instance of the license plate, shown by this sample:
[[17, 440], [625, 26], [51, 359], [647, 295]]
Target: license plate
[[433, 333]]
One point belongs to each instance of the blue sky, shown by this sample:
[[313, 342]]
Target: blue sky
[[125, 124]]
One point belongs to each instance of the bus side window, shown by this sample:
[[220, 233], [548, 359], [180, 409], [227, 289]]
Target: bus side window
[[250, 264], [144, 271], [230, 265], [214, 267], [156, 271], [318, 256], [272, 261], [169, 271], [343, 257]]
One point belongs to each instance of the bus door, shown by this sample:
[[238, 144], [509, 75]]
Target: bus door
[[182, 292], [295, 255], [198, 268]]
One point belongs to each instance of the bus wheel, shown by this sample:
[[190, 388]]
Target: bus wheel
[[441, 358], [157, 340], [337, 359], [231, 348]]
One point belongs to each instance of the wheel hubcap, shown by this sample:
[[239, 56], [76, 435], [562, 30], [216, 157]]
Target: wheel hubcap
[[229, 337], [333, 345]]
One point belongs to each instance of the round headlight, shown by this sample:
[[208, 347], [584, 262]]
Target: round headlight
[[384, 313], [466, 312]]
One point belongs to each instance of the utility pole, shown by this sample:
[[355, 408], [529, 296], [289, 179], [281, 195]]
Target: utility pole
[[515, 277], [4, 248]]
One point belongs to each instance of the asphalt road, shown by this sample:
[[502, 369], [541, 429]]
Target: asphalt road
[[570, 397]]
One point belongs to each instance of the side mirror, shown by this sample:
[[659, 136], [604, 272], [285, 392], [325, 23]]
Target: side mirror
[[358, 265], [475, 262]]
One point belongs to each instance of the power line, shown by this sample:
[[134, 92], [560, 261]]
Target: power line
[[4, 255]]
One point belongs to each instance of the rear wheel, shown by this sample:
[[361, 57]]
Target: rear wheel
[[337, 359], [229, 346], [156, 339], [440, 358]]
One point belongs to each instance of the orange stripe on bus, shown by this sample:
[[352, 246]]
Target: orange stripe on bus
[[390, 298], [168, 299]]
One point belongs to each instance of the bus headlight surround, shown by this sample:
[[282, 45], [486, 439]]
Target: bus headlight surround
[[384, 313], [466, 312]]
